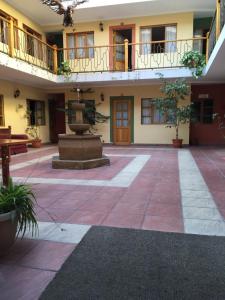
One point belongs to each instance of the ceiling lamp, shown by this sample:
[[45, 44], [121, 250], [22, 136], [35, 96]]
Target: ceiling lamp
[[61, 8]]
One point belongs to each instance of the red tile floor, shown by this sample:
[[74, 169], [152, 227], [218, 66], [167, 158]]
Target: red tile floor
[[152, 201]]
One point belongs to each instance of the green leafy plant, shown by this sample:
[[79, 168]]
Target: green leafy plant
[[194, 61], [19, 198], [169, 105], [64, 69], [34, 132], [90, 113]]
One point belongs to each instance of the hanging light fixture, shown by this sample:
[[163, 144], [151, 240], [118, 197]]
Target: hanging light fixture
[[101, 26]]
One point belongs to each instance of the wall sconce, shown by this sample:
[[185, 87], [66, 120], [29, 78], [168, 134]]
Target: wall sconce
[[102, 97], [16, 93], [101, 26]]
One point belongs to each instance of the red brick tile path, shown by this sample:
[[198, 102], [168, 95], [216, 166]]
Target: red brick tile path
[[151, 202]]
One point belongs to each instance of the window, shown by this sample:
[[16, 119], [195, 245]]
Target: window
[[150, 114], [2, 117], [151, 35], [33, 45], [202, 111], [4, 29], [89, 104], [82, 44], [200, 44], [36, 112]]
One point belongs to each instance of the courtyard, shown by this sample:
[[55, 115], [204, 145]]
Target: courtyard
[[148, 188]]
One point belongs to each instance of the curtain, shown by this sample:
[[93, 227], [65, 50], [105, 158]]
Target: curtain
[[171, 35], [146, 111], [90, 43], [71, 44], [80, 42], [3, 32], [146, 38], [198, 44]]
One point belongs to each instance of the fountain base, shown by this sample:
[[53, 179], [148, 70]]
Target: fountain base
[[77, 152], [79, 164]]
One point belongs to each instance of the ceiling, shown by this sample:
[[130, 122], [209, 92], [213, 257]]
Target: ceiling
[[96, 10]]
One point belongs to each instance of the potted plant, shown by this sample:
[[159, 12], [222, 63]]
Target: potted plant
[[16, 213], [194, 61], [34, 133], [169, 105], [64, 69]]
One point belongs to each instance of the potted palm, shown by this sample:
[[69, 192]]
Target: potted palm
[[34, 132], [16, 213], [170, 106]]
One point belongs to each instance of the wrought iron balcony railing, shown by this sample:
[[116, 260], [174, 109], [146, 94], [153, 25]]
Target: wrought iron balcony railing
[[128, 56]]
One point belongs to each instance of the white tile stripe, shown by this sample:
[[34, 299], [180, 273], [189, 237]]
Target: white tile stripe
[[59, 232], [33, 150], [31, 162], [123, 179], [200, 213]]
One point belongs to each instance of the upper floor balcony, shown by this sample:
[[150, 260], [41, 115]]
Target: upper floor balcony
[[120, 56]]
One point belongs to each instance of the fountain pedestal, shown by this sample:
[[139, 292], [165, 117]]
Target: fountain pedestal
[[79, 151]]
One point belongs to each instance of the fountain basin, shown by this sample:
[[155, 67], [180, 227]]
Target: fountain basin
[[79, 152], [79, 128]]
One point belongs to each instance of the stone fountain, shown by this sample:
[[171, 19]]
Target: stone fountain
[[79, 150]]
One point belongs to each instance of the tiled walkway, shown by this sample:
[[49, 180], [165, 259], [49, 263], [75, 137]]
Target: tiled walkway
[[148, 188]]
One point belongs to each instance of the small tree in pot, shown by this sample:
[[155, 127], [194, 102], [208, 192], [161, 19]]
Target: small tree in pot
[[169, 105], [16, 213], [34, 132]]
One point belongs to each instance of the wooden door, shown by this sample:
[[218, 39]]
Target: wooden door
[[57, 122], [122, 122], [118, 51]]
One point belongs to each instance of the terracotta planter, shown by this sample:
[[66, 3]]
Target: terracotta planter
[[8, 228], [177, 143], [36, 143]]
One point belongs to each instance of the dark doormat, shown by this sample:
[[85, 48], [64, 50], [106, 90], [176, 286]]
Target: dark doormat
[[114, 263]]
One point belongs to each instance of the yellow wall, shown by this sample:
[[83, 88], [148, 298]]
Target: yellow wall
[[16, 119], [22, 19], [143, 134], [184, 23]]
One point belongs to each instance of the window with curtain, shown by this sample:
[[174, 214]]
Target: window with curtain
[[155, 34], [33, 45], [150, 114], [4, 29], [81, 45], [2, 115], [36, 112]]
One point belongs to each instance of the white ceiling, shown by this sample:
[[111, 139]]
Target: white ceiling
[[96, 10]]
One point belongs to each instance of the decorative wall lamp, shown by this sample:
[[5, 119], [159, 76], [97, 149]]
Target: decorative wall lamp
[[16, 93], [102, 97], [101, 26]]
